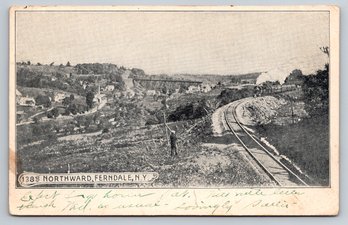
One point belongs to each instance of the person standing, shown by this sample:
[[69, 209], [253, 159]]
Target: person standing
[[173, 146], [173, 139]]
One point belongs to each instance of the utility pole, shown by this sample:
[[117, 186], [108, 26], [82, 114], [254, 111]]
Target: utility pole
[[165, 127], [292, 110]]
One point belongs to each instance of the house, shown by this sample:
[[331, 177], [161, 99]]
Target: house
[[109, 87], [205, 88], [99, 97], [117, 95], [129, 93], [151, 92], [26, 101], [193, 89], [59, 96]]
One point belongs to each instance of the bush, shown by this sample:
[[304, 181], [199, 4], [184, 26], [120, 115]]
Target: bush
[[89, 99], [230, 95], [55, 112], [316, 92], [43, 100], [49, 114], [306, 143], [190, 111]]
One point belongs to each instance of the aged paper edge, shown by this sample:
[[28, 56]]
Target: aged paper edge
[[314, 201]]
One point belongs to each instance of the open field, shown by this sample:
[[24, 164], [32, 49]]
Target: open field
[[199, 163], [286, 126], [306, 143]]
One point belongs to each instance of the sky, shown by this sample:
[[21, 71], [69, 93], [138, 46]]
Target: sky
[[178, 42]]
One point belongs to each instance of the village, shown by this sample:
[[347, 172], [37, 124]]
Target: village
[[67, 99], [121, 118]]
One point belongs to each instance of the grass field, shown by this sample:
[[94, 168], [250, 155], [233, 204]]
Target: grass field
[[306, 143], [146, 149]]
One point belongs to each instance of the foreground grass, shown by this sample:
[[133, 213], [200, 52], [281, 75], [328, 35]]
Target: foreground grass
[[130, 149], [306, 143]]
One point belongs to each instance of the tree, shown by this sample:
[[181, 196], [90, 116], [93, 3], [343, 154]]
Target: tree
[[89, 99], [72, 108], [72, 97], [49, 114], [55, 112], [66, 101], [316, 92], [68, 64], [295, 77], [43, 100], [52, 63]]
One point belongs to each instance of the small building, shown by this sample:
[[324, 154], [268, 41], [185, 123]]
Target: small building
[[151, 92], [193, 89], [109, 87], [59, 96], [99, 98], [129, 93], [205, 88], [117, 94], [26, 101]]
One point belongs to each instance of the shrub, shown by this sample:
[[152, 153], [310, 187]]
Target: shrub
[[229, 95], [189, 111], [43, 100]]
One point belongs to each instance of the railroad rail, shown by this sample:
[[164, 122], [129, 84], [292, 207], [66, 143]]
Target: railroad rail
[[274, 168]]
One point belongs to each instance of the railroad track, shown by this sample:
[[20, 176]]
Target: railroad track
[[279, 173]]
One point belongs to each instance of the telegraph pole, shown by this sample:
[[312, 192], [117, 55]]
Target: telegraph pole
[[164, 120], [292, 110]]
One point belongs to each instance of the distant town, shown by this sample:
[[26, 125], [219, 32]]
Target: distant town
[[71, 116]]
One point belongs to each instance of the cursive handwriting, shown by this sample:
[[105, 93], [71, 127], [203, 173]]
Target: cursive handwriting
[[43, 199], [185, 201]]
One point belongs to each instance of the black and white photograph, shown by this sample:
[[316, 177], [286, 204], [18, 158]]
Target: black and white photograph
[[172, 99]]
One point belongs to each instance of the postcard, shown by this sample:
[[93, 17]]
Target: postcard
[[174, 110]]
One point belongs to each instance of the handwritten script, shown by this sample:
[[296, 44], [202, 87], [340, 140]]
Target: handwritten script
[[182, 201]]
